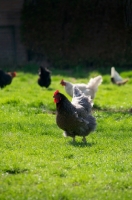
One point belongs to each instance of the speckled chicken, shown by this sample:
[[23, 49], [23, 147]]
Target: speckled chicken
[[116, 78], [88, 89], [6, 78], [74, 117], [44, 79]]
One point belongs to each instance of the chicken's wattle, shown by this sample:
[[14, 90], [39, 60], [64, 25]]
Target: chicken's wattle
[[56, 100]]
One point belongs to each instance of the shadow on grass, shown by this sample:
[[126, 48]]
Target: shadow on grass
[[81, 144], [50, 89], [15, 171], [111, 110]]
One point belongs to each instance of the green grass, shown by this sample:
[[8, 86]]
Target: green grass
[[38, 163]]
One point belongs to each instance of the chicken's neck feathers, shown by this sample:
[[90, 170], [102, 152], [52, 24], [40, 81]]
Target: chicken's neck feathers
[[69, 88], [65, 106]]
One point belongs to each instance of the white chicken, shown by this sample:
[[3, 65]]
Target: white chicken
[[116, 78], [88, 89]]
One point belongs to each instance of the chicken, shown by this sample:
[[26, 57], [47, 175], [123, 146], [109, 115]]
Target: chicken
[[116, 78], [6, 78], [74, 117], [88, 89], [80, 99], [44, 79]]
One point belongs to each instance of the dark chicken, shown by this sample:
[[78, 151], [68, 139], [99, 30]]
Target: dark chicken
[[6, 78], [74, 117], [44, 79]]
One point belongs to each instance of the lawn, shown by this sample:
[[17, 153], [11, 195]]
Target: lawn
[[38, 163]]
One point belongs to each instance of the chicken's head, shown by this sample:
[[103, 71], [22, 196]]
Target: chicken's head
[[63, 83], [57, 96], [13, 74]]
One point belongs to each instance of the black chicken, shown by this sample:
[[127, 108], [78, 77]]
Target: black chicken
[[44, 79], [74, 117], [6, 78]]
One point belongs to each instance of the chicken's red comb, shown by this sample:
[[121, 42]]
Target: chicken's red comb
[[63, 83], [56, 92], [14, 73]]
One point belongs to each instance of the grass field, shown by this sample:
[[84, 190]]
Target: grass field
[[38, 163]]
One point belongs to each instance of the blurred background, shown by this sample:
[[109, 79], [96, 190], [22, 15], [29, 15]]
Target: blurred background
[[64, 34]]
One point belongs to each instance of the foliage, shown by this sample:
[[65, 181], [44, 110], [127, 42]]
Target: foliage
[[77, 32], [37, 162]]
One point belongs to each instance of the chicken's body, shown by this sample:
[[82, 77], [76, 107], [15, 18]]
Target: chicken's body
[[44, 79], [74, 118], [116, 78], [88, 89], [6, 78]]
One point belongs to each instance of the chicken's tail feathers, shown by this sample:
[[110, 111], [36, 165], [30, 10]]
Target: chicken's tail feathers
[[80, 98], [112, 71], [90, 101], [44, 70], [115, 75], [95, 82], [76, 91]]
